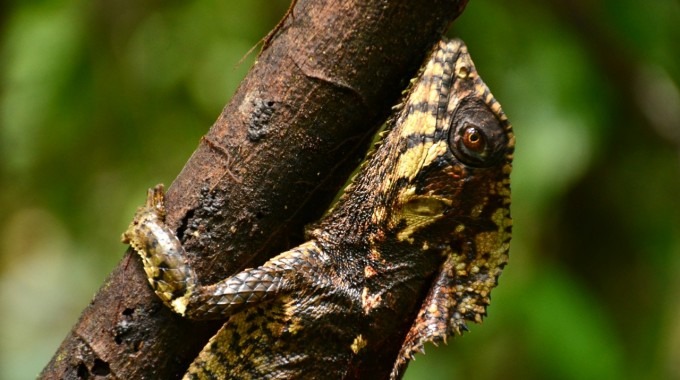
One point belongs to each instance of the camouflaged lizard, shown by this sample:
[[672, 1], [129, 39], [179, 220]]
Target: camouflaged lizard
[[413, 247]]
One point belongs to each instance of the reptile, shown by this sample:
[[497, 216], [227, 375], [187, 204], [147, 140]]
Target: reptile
[[413, 247]]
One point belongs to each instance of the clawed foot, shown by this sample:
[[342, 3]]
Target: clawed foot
[[153, 208]]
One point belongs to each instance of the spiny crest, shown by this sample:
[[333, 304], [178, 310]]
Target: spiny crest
[[399, 109]]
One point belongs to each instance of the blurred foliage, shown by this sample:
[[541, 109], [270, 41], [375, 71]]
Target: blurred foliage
[[100, 100]]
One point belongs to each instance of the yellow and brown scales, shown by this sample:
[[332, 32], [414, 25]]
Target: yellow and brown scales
[[413, 247]]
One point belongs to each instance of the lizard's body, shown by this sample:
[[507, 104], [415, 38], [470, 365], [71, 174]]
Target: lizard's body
[[413, 247]]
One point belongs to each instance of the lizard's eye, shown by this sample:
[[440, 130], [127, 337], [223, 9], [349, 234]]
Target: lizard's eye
[[477, 137], [473, 139]]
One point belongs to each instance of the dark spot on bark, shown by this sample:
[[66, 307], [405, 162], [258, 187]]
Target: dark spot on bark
[[82, 372], [124, 330], [184, 223], [100, 368], [258, 125]]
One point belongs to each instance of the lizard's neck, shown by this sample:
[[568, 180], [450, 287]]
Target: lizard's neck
[[359, 214]]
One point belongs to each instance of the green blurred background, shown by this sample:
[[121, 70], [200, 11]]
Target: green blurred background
[[101, 99]]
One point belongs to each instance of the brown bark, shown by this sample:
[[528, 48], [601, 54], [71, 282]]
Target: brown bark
[[273, 160]]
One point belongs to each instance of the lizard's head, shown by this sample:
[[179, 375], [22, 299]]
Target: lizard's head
[[450, 154], [441, 176]]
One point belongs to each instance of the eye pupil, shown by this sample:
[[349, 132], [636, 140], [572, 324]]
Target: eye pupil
[[473, 139]]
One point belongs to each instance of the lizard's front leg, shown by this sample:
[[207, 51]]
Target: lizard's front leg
[[175, 282]]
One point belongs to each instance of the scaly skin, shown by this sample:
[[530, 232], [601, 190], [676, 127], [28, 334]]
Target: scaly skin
[[408, 254]]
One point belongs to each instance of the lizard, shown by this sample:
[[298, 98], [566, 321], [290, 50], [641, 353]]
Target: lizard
[[413, 247]]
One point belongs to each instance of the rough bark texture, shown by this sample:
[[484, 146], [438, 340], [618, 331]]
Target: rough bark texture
[[294, 130]]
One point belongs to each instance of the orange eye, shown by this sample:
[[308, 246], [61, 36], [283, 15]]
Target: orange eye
[[477, 138], [474, 140]]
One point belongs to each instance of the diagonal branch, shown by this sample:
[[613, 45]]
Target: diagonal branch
[[273, 160]]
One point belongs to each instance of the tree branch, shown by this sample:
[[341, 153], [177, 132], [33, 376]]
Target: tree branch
[[273, 160]]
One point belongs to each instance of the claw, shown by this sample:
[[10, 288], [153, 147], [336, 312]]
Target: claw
[[155, 199]]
